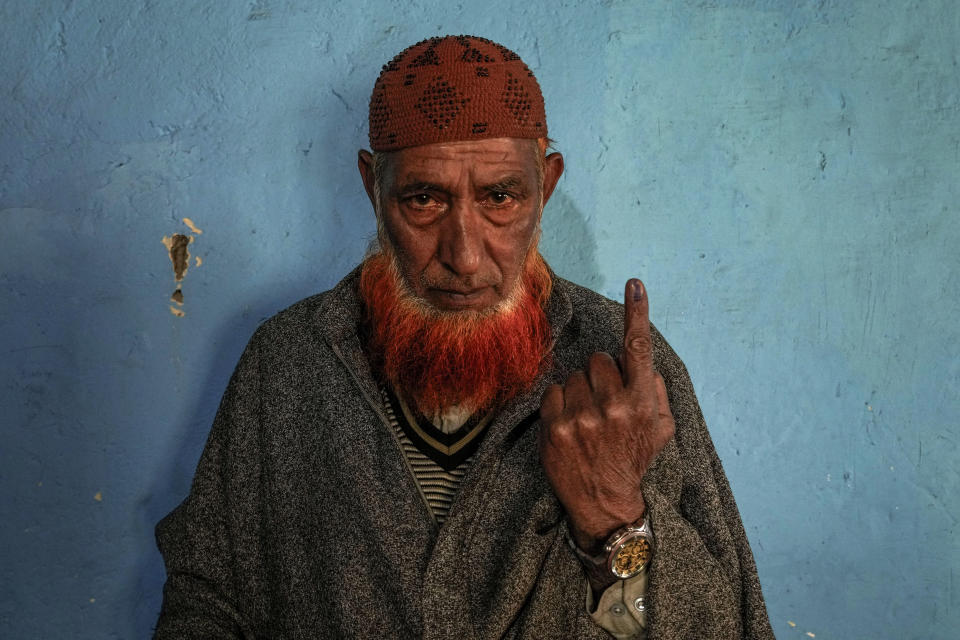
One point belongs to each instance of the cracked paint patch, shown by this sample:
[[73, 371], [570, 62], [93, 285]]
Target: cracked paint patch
[[179, 254], [192, 226], [809, 634], [178, 249]]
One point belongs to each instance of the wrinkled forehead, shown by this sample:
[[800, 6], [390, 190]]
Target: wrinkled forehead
[[485, 161]]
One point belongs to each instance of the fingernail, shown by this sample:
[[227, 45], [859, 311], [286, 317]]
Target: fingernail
[[637, 291]]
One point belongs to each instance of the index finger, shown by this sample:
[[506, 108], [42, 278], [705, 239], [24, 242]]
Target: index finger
[[637, 344]]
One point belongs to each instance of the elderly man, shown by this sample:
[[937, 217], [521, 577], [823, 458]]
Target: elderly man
[[454, 442]]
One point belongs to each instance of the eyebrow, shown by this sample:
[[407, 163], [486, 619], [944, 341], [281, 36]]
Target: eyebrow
[[417, 186], [510, 183]]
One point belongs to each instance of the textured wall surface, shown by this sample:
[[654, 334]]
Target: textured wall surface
[[783, 175]]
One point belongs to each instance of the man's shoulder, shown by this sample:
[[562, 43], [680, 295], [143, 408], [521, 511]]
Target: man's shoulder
[[328, 313]]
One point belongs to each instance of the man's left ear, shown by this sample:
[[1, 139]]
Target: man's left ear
[[552, 170]]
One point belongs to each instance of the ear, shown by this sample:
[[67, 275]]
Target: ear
[[365, 165], [552, 170]]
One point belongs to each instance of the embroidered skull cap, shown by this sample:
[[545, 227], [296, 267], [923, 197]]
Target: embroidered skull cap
[[454, 88]]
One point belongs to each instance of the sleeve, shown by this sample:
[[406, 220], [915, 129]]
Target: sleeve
[[703, 581], [201, 539]]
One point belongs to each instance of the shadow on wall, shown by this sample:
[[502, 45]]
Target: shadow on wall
[[568, 244]]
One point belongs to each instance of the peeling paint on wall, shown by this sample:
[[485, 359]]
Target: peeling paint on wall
[[192, 226], [793, 625], [179, 252]]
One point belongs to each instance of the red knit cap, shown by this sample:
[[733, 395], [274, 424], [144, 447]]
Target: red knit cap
[[454, 88]]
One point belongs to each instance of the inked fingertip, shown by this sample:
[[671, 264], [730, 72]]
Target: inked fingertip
[[637, 290]]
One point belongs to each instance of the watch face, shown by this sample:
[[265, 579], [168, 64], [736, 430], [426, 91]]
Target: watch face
[[631, 557]]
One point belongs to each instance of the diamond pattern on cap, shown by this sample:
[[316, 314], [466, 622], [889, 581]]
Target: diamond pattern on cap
[[428, 58], [440, 103], [516, 98]]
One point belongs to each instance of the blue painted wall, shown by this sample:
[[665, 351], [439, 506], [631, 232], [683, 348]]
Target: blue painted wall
[[783, 175]]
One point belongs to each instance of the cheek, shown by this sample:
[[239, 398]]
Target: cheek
[[510, 251], [413, 250], [412, 262]]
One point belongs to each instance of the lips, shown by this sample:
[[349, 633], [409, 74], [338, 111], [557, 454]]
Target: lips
[[461, 292], [460, 298]]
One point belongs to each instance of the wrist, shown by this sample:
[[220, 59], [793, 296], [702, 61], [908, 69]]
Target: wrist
[[593, 537], [624, 554]]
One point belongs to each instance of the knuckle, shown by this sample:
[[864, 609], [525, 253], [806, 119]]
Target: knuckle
[[560, 432], [639, 344], [588, 421], [616, 410]]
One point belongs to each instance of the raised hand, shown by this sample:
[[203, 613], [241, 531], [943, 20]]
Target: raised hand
[[602, 429]]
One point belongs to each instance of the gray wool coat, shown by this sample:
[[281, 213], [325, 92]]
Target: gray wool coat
[[304, 520]]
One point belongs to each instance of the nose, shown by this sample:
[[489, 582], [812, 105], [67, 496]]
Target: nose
[[461, 245]]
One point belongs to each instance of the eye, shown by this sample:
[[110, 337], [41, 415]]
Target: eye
[[499, 197], [421, 207], [420, 200]]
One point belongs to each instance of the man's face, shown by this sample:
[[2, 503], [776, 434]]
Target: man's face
[[461, 217]]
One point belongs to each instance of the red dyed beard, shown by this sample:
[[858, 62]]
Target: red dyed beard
[[469, 359]]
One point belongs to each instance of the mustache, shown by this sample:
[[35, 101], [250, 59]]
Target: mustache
[[384, 249], [452, 282]]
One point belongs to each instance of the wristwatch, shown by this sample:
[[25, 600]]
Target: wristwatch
[[626, 553]]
